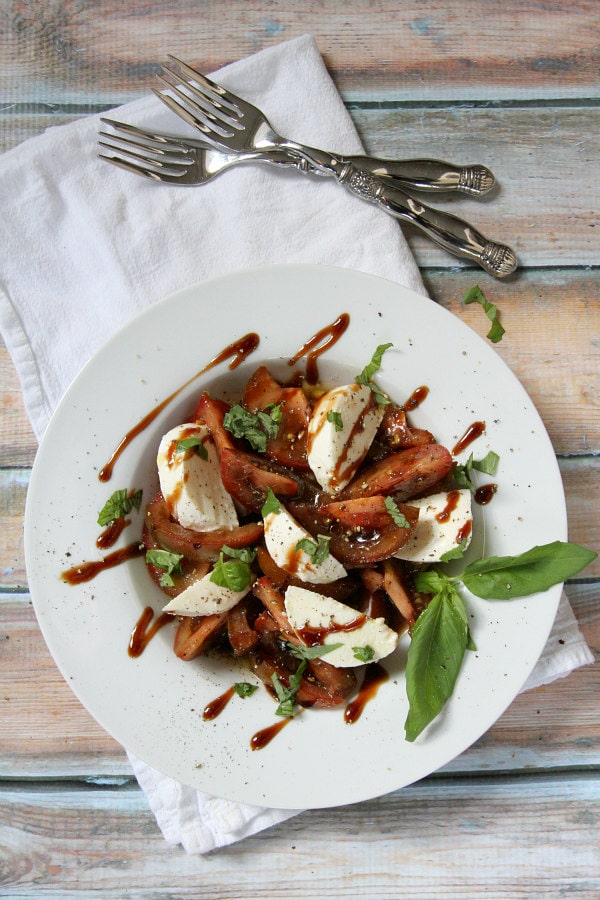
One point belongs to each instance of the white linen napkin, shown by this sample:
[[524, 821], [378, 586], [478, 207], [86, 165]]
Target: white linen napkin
[[86, 246]]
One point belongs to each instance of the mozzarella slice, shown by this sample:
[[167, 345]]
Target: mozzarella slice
[[330, 622], [191, 485], [444, 521], [282, 534], [204, 598], [340, 432]]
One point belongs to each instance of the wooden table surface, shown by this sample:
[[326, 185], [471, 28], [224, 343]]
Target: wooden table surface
[[514, 85]]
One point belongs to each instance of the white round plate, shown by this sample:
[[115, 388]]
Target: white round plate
[[153, 704]]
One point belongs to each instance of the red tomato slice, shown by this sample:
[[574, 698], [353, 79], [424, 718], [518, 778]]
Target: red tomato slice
[[247, 478], [408, 473], [289, 447], [369, 513], [212, 412]]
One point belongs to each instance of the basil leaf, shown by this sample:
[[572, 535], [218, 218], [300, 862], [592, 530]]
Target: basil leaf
[[336, 420], [398, 518], [244, 424], [456, 552], [269, 423], [287, 695], [246, 554], [120, 503], [271, 504], [438, 644], [317, 550], [190, 443], [369, 370], [475, 295], [505, 577], [431, 581], [364, 654], [302, 652], [233, 574], [170, 562], [488, 465], [244, 688]]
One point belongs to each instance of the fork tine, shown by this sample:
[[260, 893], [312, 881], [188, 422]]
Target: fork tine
[[211, 105], [169, 166], [176, 152], [220, 94], [138, 170], [198, 105], [162, 140]]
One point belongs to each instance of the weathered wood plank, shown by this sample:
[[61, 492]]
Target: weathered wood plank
[[54, 50], [523, 838], [47, 733]]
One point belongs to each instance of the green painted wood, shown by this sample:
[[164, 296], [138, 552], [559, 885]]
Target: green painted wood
[[453, 838]]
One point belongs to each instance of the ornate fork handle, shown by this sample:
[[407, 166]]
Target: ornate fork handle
[[450, 232], [444, 229], [433, 175]]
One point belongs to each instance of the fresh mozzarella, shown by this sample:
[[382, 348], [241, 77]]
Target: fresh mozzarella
[[444, 521], [282, 534], [340, 432], [308, 610], [203, 598], [191, 485]]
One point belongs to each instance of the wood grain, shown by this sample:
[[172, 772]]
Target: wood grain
[[504, 838], [81, 51]]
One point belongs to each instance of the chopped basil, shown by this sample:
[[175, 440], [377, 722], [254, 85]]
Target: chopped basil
[[364, 654], [456, 552], [170, 562], [120, 503], [234, 574], [317, 550], [287, 695], [194, 443], [440, 636], [399, 518], [256, 429], [462, 473], [244, 688], [475, 295], [336, 420], [302, 652], [369, 370], [271, 504]]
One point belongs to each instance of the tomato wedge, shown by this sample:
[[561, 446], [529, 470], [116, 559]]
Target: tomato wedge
[[289, 447], [405, 474], [397, 433], [369, 513], [355, 547], [247, 478], [196, 545], [212, 412]]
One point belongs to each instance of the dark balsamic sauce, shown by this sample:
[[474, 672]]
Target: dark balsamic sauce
[[474, 431], [323, 340], [266, 735], [416, 398], [87, 570], [145, 629], [216, 706], [375, 676], [238, 351]]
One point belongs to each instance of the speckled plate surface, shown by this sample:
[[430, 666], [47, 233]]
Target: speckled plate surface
[[153, 704]]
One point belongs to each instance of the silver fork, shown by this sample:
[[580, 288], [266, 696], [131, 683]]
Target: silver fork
[[176, 160], [232, 124], [200, 110]]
